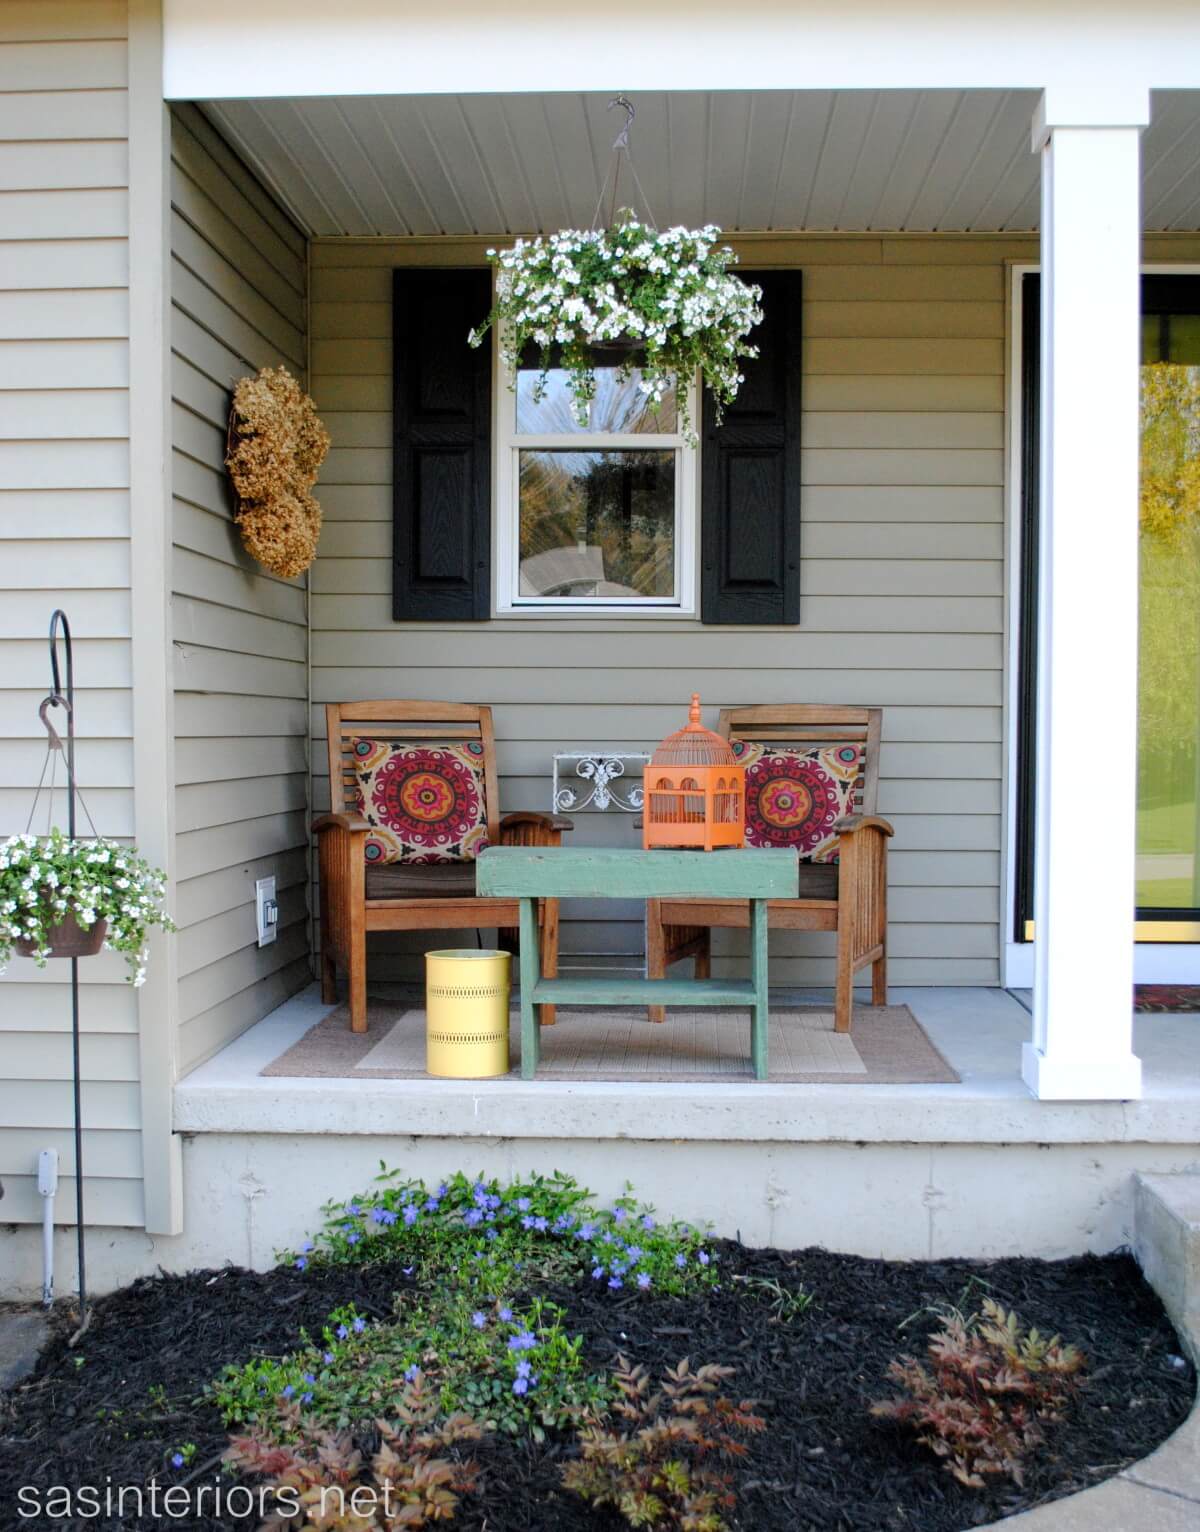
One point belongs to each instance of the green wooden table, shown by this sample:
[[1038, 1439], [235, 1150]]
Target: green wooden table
[[530, 873]]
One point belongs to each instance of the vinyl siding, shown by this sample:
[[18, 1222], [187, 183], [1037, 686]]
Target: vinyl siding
[[902, 587], [64, 541], [238, 288]]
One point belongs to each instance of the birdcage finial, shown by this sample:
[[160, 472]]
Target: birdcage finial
[[694, 712]]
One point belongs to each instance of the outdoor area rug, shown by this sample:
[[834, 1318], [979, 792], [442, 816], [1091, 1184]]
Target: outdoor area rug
[[887, 1046], [1166, 997]]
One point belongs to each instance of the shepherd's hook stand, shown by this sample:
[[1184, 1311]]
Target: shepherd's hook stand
[[58, 698]]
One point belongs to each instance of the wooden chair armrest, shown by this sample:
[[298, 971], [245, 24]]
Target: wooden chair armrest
[[855, 822], [549, 824], [354, 823]]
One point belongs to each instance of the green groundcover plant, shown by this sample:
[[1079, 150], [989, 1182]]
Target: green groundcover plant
[[43, 881], [672, 294], [472, 1326]]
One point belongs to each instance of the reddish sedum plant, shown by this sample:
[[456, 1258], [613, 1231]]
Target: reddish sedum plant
[[669, 1466], [317, 1480], [982, 1401]]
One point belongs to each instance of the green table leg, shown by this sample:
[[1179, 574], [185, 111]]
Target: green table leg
[[758, 974], [531, 1040]]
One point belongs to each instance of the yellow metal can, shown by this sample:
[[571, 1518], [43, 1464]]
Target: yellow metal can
[[466, 1013]]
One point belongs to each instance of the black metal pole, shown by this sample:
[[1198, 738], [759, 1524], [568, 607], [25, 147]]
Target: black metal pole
[[57, 621]]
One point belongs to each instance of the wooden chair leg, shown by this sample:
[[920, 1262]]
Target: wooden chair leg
[[879, 981], [549, 954], [704, 958], [358, 984], [843, 998], [656, 953]]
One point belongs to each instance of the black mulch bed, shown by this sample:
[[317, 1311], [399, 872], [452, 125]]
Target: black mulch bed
[[88, 1417]]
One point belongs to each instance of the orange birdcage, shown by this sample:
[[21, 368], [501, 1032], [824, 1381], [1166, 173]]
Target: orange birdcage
[[694, 790]]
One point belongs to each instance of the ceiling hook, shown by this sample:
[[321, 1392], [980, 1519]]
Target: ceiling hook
[[622, 139]]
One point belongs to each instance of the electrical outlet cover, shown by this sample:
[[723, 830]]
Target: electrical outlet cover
[[266, 911]]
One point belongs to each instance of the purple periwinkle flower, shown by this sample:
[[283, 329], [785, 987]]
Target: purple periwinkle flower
[[703, 1257], [619, 1215], [308, 1378], [479, 1319], [491, 1234], [523, 1204], [342, 1332], [634, 1252], [301, 1263], [472, 1217], [353, 1208], [643, 1280], [524, 1368], [359, 1326], [597, 1272], [681, 1260], [177, 1460], [528, 1222], [328, 1358], [411, 1214], [432, 1205], [648, 1223], [353, 1239], [408, 1270], [506, 1314], [306, 1247], [520, 1385], [618, 1268], [523, 1342], [306, 1398], [289, 1391], [541, 1224], [442, 1190], [615, 1282], [410, 1373]]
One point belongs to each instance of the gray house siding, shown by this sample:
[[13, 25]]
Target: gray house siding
[[64, 541], [902, 583], [238, 290]]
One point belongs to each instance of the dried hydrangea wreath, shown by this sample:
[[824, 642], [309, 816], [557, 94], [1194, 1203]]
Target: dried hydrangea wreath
[[276, 447], [671, 294]]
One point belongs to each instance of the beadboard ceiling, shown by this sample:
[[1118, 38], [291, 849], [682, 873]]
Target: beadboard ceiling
[[836, 160]]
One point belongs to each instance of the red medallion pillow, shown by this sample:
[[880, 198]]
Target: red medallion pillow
[[795, 797], [424, 803]]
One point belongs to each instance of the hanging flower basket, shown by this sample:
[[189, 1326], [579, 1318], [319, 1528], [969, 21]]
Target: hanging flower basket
[[68, 898], [668, 300], [66, 939], [274, 451]]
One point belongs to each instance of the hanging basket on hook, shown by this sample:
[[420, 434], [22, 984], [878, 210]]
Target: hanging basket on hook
[[66, 895], [665, 305]]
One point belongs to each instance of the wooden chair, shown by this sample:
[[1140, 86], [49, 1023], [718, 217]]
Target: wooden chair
[[402, 896], [848, 896]]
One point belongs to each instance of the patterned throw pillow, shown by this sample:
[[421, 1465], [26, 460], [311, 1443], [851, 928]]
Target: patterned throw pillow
[[424, 803], [795, 797]]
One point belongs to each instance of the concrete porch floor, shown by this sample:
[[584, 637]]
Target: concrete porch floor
[[980, 1032]]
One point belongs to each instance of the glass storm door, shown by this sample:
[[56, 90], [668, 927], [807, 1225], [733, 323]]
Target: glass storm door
[[1168, 762]]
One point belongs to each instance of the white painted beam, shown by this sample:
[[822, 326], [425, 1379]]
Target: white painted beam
[[250, 48], [1087, 639]]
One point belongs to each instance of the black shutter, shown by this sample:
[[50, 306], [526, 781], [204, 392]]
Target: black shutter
[[750, 475], [441, 425]]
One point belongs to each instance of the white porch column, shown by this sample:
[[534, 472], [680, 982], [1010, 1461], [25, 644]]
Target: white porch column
[[1088, 594]]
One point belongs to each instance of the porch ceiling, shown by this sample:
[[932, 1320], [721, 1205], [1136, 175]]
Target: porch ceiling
[[922, 160]]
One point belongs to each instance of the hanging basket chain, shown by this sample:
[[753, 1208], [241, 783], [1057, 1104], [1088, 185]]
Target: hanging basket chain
[[620, 148], [55, 747]]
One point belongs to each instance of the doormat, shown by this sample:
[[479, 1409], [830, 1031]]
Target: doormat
[[1175, 998], [887, 1046]]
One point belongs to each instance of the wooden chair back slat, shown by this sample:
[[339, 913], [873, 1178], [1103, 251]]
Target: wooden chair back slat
[[416, 721], [817, 724]]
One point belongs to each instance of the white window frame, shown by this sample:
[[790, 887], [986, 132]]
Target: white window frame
[[509, 601]]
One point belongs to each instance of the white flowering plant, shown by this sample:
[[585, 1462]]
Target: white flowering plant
[[43, 880], [671, 295]]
